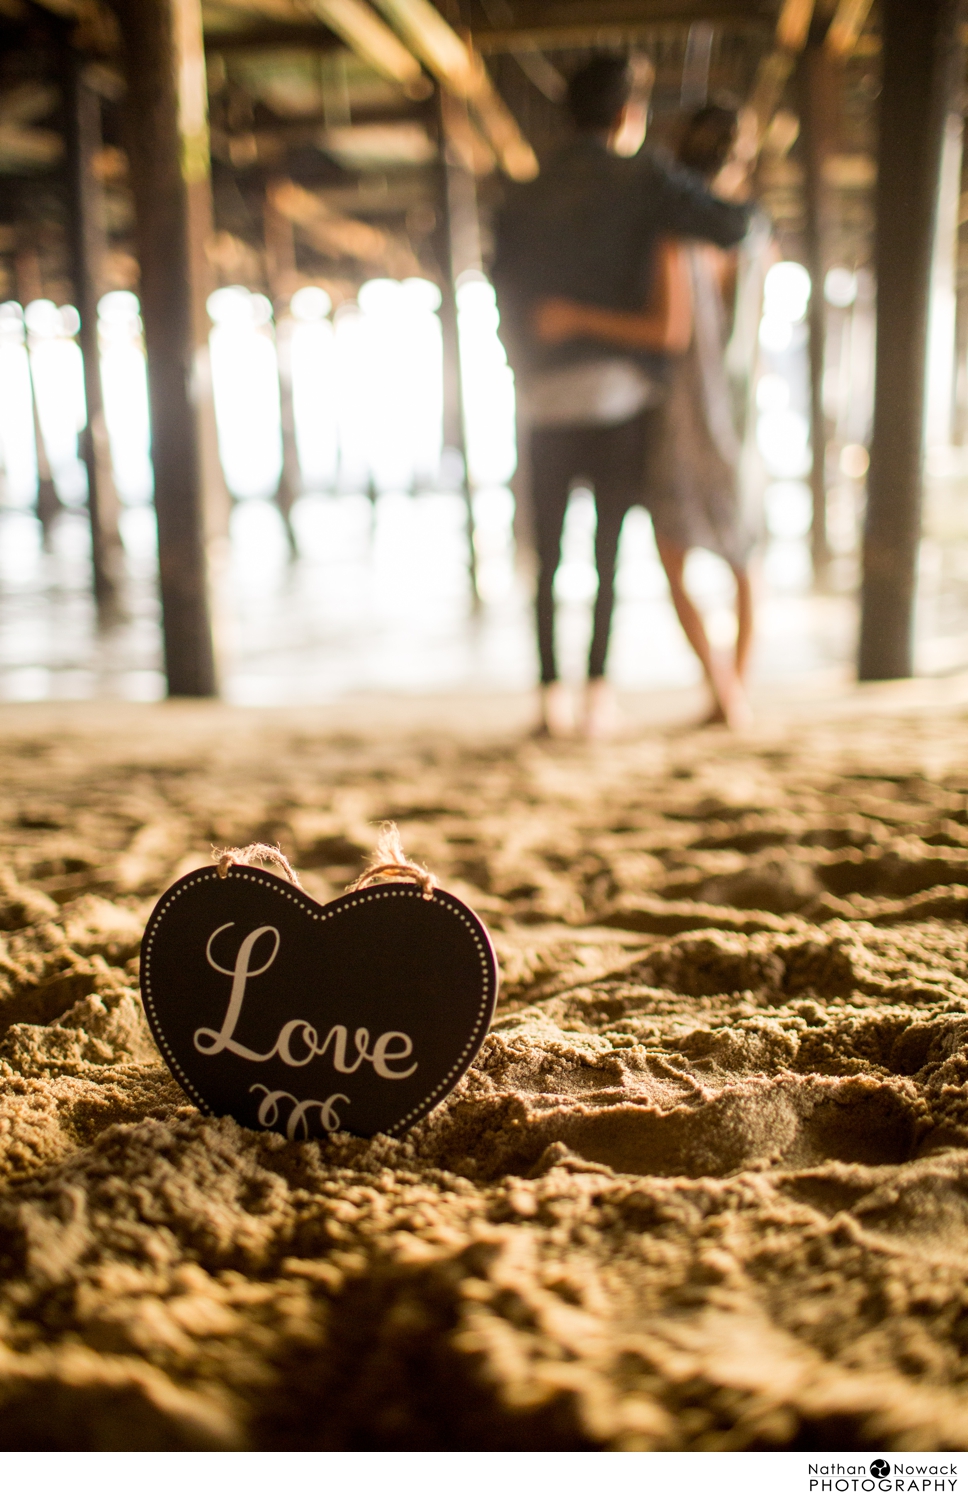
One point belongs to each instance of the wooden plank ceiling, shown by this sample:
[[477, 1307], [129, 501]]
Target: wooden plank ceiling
[[326, 110]]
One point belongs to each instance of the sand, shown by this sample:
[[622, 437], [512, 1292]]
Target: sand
[[706, 1186]]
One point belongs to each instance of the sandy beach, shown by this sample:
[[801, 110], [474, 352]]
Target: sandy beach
[[705, 1187]]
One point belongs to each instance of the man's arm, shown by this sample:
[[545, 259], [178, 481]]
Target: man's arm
[[681, 204], [509, 278]]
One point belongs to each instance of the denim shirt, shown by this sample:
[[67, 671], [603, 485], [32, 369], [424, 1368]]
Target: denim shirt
[[587, 229]]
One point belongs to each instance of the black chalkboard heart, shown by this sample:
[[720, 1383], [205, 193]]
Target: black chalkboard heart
[[359, 1015]]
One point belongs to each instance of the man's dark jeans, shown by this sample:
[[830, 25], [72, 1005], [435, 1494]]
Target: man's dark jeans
[[612, 461]]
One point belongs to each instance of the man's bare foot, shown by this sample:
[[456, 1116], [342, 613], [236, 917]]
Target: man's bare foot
[[602, 719], [557, 720]]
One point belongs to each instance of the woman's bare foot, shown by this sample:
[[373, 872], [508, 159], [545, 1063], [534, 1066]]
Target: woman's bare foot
[[557, 714], [602, 719], [730, 705], [716, 715], [739, 713], [719, 680]]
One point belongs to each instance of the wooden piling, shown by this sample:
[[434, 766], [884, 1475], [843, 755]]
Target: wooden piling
[[281, 274], [30, 288], [87, 245], [817, 78], [168, 144], [456, 232], [919, 50]]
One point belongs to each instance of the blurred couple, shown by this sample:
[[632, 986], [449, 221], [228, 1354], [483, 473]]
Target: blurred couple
[[613, 281]]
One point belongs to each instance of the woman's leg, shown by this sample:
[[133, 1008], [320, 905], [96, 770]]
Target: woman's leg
[[744, 622], [738, 711], [673, 558]]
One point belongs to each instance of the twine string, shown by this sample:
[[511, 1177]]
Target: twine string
[[389, 862], [229, 857]]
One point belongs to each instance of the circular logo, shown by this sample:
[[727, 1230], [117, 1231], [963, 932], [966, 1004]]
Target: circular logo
[[880, 1468]]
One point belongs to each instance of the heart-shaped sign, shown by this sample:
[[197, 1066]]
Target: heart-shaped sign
[[359, 1015]]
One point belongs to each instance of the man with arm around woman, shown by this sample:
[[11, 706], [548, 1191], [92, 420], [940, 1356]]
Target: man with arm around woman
[[611, 330]]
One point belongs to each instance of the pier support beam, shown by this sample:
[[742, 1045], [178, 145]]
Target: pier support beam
[[281, 273], [87, 242], [168, 144], [818, 112], [458, 249], [30, 288], [919, 50]]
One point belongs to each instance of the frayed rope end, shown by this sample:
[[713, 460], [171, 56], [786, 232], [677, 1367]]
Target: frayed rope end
[[390, 863], [266, 852]]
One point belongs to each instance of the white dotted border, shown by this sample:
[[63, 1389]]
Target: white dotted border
[[324, 914]]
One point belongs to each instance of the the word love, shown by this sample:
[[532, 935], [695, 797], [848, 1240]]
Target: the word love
[[298, 1041]]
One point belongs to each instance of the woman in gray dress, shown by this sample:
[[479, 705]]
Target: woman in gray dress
[[692, 487]]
